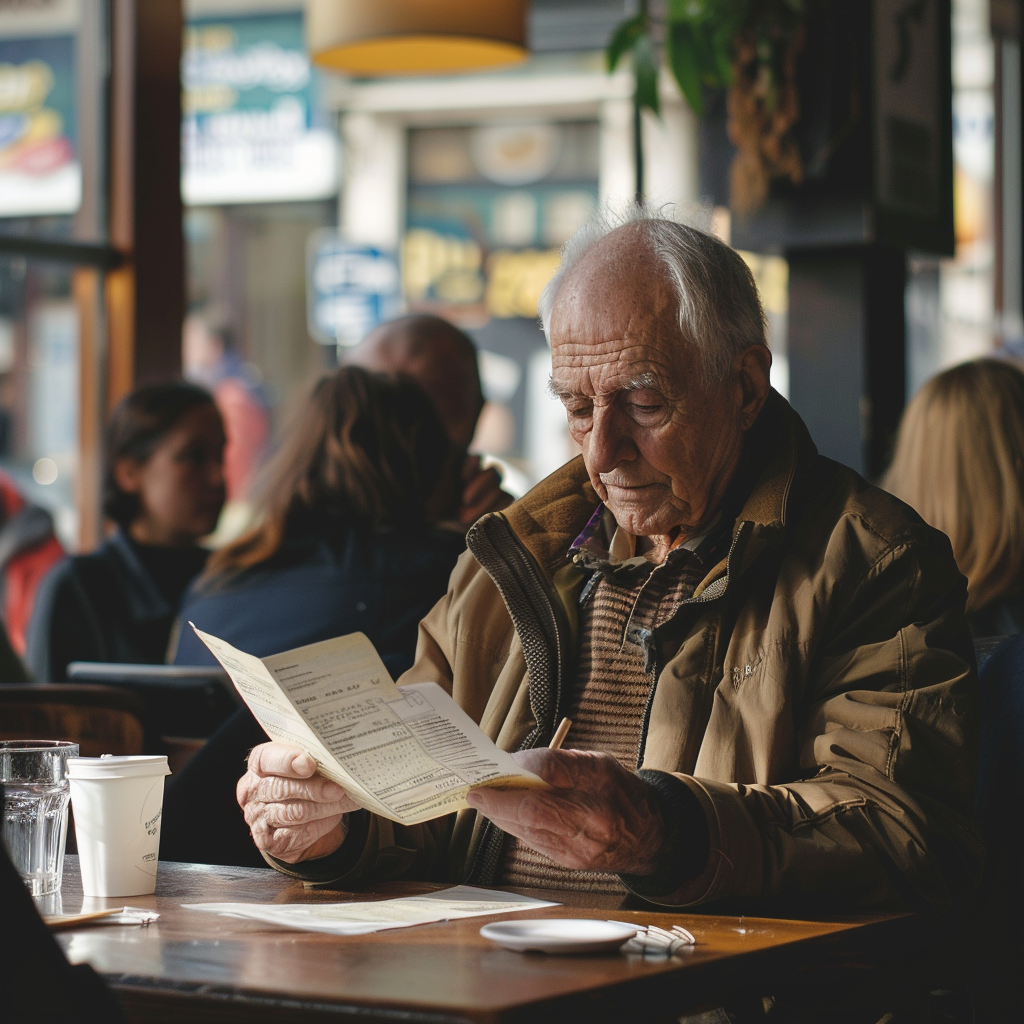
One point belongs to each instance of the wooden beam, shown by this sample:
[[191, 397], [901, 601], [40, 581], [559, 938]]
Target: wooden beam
[[146, 296]]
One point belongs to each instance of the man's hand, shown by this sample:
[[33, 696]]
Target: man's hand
[[481, 491], [293, 813], [597, 817]]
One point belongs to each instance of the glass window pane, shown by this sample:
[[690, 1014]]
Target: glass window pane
[[53, 71], [39, 339]]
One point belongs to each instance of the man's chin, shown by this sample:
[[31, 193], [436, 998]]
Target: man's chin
[[641, 521]]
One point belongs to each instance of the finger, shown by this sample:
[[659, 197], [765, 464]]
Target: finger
[[290, 844], [516, 811], [485, 483], [470, 467], [558, 768], [276, 789], [295, 813], [281, 759]]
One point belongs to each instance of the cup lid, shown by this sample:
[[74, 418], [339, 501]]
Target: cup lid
[[111, 766]]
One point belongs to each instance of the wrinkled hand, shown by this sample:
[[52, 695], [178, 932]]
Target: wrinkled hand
[[597, 817], [293, 813], [481, 491]]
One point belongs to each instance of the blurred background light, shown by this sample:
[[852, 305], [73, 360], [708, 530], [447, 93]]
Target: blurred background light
[[44, 471]]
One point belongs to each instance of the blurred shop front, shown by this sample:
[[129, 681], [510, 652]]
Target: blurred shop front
[[259, 176], [50, 104], [475, 182]]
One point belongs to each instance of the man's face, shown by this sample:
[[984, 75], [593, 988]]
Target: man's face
[[659, 445]]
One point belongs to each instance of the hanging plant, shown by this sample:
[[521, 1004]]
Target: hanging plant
[[750, 48]]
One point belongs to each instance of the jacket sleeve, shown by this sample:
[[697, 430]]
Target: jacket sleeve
[[888, 744], [63, 627]]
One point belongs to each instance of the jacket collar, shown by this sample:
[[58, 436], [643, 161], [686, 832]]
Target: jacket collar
[[552, 515]]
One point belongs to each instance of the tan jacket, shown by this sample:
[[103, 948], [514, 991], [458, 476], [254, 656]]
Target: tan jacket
[[818, 693]]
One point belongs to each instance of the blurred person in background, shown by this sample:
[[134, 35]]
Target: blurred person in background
[[29, 549], [443, 360], [348, 536], [210, 358], [959, 462], [164, 489], [351, 536]]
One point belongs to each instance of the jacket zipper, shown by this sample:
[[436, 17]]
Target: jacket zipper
[[518, 577]]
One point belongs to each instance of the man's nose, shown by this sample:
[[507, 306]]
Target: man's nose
[[609, 441]]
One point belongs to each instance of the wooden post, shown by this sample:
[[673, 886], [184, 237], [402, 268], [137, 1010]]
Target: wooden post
[[145, 296]]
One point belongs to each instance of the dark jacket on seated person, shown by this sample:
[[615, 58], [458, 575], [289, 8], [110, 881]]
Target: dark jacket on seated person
[[378, 583], [115, 604], [318, 587]]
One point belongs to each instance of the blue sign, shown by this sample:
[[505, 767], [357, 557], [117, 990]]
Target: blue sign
[[349, 288]]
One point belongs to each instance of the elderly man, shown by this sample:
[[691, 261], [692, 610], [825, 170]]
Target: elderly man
[[764, 657]]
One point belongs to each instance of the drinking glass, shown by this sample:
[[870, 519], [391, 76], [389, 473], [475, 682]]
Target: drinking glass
[[36, 790]]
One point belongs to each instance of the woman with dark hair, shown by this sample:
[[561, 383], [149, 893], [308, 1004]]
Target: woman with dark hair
[[350, 538], [164, 489]]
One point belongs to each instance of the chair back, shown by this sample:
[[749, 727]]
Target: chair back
[[100, 719]]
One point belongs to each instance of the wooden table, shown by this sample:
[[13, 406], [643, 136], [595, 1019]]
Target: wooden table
[[199, 967]]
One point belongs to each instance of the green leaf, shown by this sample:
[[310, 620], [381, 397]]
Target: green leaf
[[721, 44], [625, 39], [683, 60], [645, 67]]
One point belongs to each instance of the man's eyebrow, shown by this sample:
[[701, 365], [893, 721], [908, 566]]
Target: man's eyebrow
[[645, 380], [558, 390]]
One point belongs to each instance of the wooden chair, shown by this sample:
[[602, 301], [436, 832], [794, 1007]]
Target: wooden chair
[[100, 719]]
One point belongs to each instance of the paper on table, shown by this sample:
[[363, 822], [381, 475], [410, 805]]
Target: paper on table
[[363, 918], [409, 753]]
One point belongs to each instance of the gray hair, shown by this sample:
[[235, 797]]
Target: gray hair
[[720, 311]]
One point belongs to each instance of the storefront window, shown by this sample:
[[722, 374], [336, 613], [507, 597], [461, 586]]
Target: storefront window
[[39, 331], [53, 75], [487, 209], [260, 167]]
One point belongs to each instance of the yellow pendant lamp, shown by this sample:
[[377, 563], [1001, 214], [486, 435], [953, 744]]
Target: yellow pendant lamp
[[415, 37]]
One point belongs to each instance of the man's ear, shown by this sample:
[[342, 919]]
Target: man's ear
[[127, 475], [751, 371]]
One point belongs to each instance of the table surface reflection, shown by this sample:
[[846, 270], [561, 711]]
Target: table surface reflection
[[202, 967]]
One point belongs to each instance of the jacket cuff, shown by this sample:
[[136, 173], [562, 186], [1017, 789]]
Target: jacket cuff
[[335, 866], [687, 844]]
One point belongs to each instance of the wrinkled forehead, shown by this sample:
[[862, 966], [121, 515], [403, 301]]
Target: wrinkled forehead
[[618, 320]]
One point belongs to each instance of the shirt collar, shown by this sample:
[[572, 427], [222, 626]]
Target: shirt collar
[[604, 544]]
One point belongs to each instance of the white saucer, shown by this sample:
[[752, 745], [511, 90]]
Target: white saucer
[[558, 935]]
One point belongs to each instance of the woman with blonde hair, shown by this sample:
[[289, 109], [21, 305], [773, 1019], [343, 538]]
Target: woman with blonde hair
[[959, 461]]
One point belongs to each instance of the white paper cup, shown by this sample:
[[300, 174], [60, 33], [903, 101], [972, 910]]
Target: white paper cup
[[117, 803]]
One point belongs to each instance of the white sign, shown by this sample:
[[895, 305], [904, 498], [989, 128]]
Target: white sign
[[250, 131]]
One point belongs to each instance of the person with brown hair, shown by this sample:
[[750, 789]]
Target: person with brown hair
[[442, 359], [350, 538], [959, 462], [164, 489], [348, 535]]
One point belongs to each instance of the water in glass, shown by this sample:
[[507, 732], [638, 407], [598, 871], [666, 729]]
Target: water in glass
[[35, 821]]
